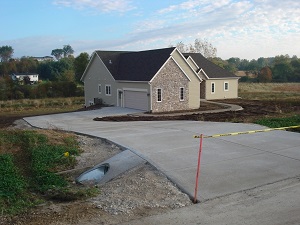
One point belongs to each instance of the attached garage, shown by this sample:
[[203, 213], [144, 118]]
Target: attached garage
[[136, 100]]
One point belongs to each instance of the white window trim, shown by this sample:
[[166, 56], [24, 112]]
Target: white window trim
[[213, 91], [108, 85], [99, 88], [225, 86], [160, 95], [181, 99]]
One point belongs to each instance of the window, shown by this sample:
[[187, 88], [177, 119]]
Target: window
[[181, 94], [99, 88], [107, 89], [159, 94], [226, 86], [213, 88]]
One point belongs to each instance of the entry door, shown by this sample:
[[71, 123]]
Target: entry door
[[120, 98]]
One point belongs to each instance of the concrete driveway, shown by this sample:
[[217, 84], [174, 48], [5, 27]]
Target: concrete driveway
[[228, 164]]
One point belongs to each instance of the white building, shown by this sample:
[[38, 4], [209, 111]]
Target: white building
[[33, 77]]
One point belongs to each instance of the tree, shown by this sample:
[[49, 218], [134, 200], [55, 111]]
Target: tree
[[199, 46], [265, 75], [68, 50], [57, 53], [6, 53], [26, 80], [80, 64], [26, 65], [296, 68], [281, 71]]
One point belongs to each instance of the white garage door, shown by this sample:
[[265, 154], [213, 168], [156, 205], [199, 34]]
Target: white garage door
[[136, 100]]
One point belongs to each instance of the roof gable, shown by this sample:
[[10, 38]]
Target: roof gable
[[135, 66], [211, 70]]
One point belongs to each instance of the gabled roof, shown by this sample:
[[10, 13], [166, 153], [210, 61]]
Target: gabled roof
[[135, 66], [211, 70]]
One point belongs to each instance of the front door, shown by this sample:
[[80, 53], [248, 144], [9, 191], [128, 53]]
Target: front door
[[120, 98]]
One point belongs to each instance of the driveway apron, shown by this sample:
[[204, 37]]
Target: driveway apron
[[228, 164]]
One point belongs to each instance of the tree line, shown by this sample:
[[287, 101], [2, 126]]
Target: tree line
[[57, 78], [65, 68], [281, 68]]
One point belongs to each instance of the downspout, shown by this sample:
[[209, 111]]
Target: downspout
[[150, 96]]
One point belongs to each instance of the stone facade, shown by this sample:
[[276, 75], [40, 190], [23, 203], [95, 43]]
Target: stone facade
[[170, 79]]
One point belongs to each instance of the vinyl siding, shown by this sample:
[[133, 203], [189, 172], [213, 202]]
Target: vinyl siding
[[95, 75], [220, 93]]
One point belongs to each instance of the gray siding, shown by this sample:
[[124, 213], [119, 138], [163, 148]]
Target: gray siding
[[98, 74]]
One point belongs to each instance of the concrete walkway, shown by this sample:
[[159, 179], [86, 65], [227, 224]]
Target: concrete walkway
[[228, 164], [227, 107]]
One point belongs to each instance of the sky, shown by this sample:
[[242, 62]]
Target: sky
[[247, 29]]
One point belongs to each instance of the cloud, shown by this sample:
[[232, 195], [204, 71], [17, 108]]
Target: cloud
[[254, 24], [243, 28], [103, 6]]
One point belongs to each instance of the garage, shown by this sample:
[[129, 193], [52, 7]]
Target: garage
[[136, 100]]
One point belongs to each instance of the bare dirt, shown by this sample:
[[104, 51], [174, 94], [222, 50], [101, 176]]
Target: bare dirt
[[252, 110]]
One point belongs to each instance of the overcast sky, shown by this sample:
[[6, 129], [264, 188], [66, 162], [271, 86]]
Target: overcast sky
[[237, 28]]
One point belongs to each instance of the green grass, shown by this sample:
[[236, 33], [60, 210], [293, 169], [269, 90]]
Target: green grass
[[29, 161], [280, 122]]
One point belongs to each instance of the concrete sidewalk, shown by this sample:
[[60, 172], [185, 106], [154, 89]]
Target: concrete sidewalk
[[229, 164]]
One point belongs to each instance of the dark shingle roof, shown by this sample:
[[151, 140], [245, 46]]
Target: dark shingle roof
[[135, 66], [212, 70]]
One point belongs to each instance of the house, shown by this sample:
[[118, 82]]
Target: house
[[157, 80], [43, 58], [217, 83], [33, 77]]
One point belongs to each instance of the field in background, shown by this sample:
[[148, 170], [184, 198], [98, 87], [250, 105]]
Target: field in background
[[26, 107], [270, 91]]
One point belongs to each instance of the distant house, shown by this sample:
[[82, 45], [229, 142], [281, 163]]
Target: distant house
[[217, 82], [157, 80], [44, 58], [33, 77]]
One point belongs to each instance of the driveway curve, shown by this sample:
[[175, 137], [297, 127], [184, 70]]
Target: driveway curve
[[228, 164]]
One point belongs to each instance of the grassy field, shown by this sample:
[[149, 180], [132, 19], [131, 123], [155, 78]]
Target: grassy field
[[25, 107], [274, 93], [270, 91]]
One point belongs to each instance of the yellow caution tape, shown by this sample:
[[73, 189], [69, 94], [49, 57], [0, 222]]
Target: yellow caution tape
[[247, 132]]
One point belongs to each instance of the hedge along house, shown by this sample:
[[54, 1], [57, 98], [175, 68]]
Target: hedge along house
[[217, 83], [155, 80]]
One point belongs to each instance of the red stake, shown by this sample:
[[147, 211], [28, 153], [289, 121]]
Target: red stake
[[198, 169]]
